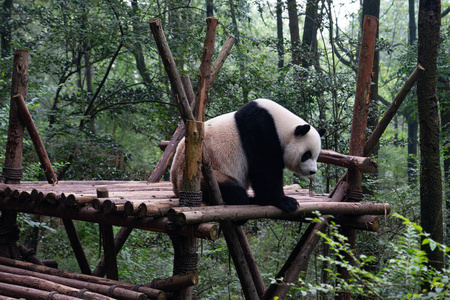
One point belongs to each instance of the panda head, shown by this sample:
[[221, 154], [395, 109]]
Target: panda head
[[302, 150]]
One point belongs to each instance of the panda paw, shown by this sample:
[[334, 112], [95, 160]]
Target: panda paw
[[287, 204]]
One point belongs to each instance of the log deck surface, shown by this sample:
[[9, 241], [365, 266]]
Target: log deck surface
[[139, 204]]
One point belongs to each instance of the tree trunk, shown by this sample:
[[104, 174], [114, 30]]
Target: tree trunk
[[209, 8], [280, 41], [309, 40], [413, 126], [294, 31], [445, 127], [430, 170], [372, 7], [6, 29]]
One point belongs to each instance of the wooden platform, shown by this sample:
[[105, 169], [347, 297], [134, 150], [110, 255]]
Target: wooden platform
[[149, 206]]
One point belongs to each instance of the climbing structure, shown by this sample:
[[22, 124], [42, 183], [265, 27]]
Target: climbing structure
[[152, 205]]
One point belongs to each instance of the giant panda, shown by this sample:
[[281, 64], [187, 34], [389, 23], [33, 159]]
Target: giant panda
[[251, 147]]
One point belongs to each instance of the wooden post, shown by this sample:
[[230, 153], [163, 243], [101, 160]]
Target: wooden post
[[107, 234], [248, 280], [359, 124], [12, 170]]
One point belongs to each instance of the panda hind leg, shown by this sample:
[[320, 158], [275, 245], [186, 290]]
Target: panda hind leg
[[232, 192]]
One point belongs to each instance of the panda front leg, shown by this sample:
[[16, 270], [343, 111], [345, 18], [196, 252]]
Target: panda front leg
[[268, 187]]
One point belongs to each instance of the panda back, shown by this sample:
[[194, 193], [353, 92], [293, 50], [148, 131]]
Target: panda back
[[224, 147]]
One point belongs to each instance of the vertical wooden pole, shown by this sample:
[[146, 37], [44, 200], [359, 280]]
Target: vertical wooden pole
[[12, 170], [359, 124], [107, 234]]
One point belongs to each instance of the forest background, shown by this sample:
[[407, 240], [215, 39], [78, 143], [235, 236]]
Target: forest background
[[102, 103]]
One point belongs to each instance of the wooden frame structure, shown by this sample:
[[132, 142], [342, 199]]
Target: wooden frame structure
[[151, 205]]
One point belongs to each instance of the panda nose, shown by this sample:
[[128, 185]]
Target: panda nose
[[312, 172]]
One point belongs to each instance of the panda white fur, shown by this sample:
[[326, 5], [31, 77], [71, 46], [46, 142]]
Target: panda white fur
[[251, 147]]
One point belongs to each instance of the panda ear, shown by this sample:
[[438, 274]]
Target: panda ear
[[322, 131], [302, 129]]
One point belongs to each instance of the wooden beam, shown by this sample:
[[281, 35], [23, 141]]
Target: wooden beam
[[241, 262], [171, 69], [175, 282], [194, 215], [204, 77], [36, 139], [77, 248], [89, 214], [362, 164]]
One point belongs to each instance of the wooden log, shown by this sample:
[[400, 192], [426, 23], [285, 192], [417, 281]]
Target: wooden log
[[78, 200], [221, 57], [364, 222], [339, 192], [359, 125], [12, 170], [171, 69], [204, 77], [388, 115], [362, 164], [96, 284], [119, 241], [175, 282], [297, 262], [229, 230], [12, 290], [168, 154], [29, 255], [77, 248], [392, 110], [89, 214], [107, 234], [236, 212], [49, 286], [100, 288], [251, 261], [36, 139]]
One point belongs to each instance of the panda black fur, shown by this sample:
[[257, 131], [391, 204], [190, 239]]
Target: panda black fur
[[251, 147]]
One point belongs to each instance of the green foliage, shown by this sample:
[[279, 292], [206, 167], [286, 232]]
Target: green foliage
[[404, 276]]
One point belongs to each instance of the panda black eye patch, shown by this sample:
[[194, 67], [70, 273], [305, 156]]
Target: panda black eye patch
[[307, 155]]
